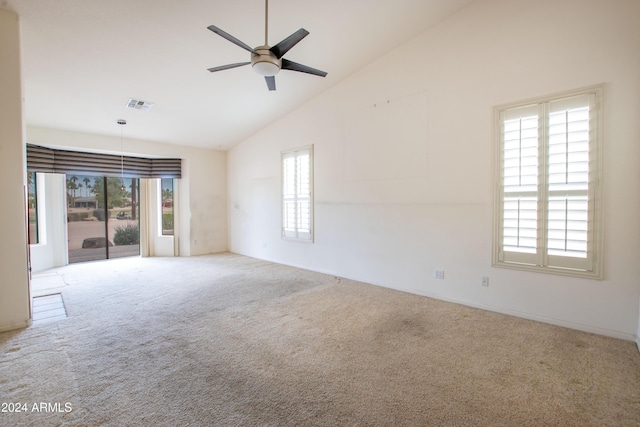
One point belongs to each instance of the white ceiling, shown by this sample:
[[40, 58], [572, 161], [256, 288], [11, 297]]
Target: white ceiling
[[84, 59]]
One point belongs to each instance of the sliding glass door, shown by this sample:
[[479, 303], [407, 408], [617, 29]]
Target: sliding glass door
[[102, 217], [123, 222]]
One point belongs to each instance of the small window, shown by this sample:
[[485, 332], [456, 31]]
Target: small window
[[166, 189], [33, 208], [297, 194], [548, 202]]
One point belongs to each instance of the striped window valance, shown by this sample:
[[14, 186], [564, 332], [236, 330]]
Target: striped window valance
[[44, 159]]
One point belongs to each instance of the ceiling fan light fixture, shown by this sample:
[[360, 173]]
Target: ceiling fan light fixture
[[266, 68], [264, 62]]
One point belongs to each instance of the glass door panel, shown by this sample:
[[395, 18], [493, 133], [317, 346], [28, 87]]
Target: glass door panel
[[124, 216], [102, 217], [86, 218]]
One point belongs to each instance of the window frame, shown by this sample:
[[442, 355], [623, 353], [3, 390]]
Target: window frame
[[298, 234], [541, 260], [35, 237], [162, 231]]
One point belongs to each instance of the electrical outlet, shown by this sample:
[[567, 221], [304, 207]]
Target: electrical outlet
[[438, 274], [485, 281]]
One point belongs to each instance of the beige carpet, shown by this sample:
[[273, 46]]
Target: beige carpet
[[232, 341]]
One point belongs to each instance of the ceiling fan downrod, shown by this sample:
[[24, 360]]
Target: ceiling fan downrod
[[266, 22]]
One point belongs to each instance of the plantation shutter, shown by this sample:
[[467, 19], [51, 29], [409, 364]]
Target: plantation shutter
[[520, 170], [549, 170], [296, 194], [569, 213]]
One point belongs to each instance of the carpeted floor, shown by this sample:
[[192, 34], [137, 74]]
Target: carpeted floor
[[233, 341]]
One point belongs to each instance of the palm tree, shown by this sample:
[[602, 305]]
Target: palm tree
[[71, 185], [167, 195], [87, 186], [98, 190]]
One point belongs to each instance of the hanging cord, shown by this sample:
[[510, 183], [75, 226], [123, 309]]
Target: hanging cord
[[122, 122]]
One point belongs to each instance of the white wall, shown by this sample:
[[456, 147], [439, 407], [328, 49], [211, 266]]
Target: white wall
[[51, 250], [202, 210], [159, 245], [14, 285], [405, 161]]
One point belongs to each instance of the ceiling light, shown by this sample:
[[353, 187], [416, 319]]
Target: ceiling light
[[266, 68], [265, 62]]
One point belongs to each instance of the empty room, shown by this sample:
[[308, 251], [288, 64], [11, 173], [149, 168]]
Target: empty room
[[268, 213]]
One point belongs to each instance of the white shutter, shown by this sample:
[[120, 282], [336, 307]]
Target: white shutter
[[548, 201], [288, 195], [569, 216], [520, 170], [297, 166]]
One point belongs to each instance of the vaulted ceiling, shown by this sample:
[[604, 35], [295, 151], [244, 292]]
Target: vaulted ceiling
[[84, 59]]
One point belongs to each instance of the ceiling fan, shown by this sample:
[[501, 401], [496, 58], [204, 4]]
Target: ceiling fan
[[268, 60]]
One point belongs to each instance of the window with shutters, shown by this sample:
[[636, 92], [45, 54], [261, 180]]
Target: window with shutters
[[548, 213], [297, 194]]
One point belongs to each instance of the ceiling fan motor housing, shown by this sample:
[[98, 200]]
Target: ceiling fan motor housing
[[265, 62]]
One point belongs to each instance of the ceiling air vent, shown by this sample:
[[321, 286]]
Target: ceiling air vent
[[137, 104]]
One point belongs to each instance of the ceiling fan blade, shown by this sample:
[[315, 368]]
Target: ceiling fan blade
[[271, 82], [283, 47], [294, 66], [229, 37], [226, 67]]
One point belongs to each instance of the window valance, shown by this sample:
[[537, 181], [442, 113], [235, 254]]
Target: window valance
[[44, 159]]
